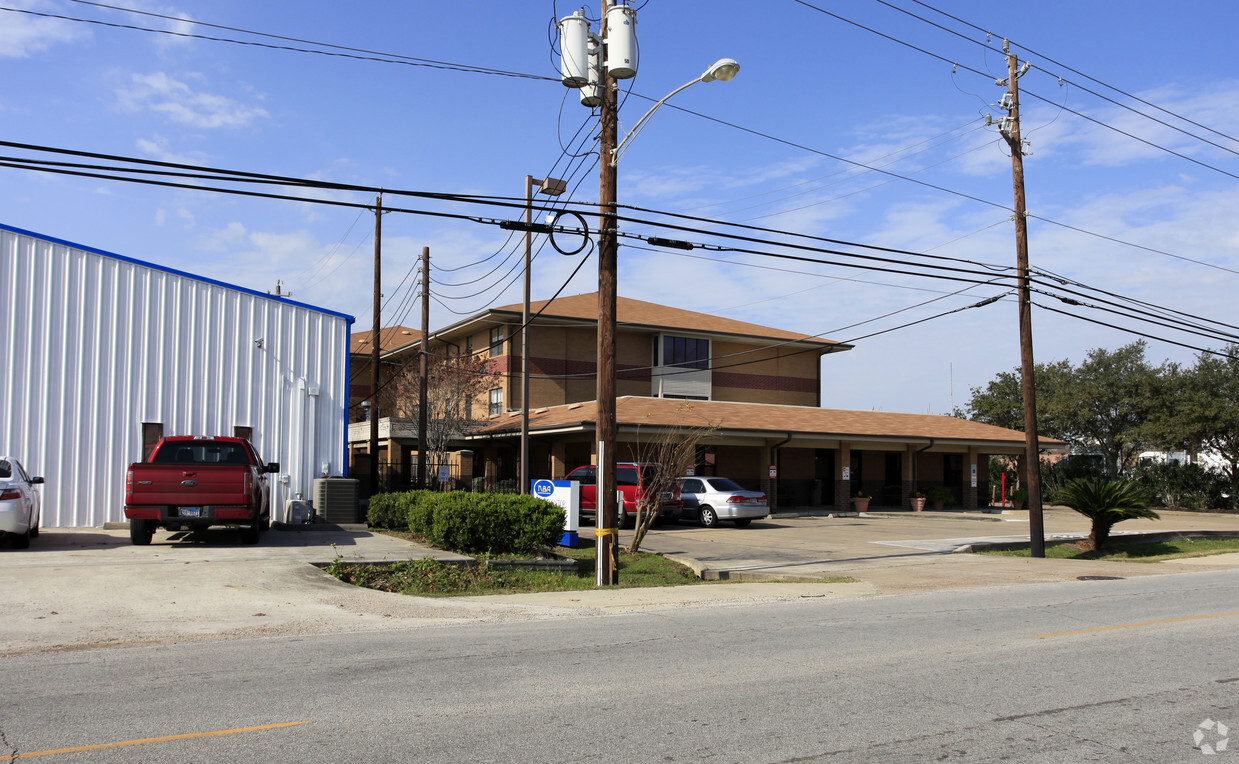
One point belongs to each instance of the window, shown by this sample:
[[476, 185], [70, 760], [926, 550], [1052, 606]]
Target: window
[[469, 345], [686, 352], [496, 340], [243, 432], [496, 401]]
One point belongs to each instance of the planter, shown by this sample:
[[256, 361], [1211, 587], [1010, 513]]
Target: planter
[[862, 505], [1017, 504], [918, 504], [938, 505]]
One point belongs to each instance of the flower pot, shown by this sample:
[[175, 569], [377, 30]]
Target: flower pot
[[862, 505], [1017, 504], [938, 505], [918, 504]]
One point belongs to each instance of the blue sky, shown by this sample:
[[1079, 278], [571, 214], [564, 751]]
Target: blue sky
[[812, 89]]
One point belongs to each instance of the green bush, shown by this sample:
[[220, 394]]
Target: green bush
[[419, 511], [494, 523], [385, 511]]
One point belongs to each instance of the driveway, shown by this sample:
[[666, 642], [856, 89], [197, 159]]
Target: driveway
[[85, 588]]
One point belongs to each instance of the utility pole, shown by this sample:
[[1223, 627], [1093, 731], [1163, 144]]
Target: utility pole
[[524, 481], [1010, 129], [423, 386], [374, 346], [607, 527]]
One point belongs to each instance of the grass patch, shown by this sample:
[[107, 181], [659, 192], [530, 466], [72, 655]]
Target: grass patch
[[1157, 551], [430, 578]]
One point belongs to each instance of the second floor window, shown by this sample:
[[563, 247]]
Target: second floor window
[[686, 352], [496, 341], [496, 401]]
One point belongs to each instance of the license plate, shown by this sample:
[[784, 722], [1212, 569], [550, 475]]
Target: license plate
[[189, 512]]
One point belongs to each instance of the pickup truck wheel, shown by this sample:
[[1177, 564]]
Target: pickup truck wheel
[[141, 532], [707, 517], [621, 518], [249, 534]]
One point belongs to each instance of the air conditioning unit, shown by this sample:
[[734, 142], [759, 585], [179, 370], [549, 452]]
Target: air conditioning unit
[[335, 499]]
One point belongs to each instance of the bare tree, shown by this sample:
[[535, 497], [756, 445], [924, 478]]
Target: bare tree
[[457, 387], [674, 449]]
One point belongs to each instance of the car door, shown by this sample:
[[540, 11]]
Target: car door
[[691, 490], [29, 497]]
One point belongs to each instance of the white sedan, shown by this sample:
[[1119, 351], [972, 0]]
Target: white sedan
[[19, 503], [711, 499]]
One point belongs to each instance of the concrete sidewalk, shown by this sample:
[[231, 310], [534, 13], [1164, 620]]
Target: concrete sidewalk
[[86, 588]]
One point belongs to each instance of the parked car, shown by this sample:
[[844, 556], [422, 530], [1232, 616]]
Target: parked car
[[634, 479], [20, 505], [194, 482], [707, 500]]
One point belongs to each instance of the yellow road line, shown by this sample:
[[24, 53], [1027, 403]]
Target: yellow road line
[[165, 739], [1129, 625]]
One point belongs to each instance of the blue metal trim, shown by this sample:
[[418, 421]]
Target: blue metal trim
[[174, 272]]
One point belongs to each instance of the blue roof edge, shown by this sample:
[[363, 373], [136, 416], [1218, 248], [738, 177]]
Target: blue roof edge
[[174, 271]]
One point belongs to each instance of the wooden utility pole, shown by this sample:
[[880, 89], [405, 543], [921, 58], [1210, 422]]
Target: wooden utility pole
[[524, 486], [1032, 457], [423, 386], [374, 346], [606, 520]]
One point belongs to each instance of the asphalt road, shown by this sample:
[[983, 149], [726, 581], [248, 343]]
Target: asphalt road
[[1115, 670]]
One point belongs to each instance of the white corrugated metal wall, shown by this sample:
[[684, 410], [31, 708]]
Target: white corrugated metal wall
[[97, 344]]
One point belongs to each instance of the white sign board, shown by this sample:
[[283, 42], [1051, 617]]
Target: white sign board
[[565, 493], [847, 473], [445, 473], [974, 476]]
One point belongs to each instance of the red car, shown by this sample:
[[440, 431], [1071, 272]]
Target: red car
[[633, 479], [194, 482]]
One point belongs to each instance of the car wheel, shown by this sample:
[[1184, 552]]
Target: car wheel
[[707, 517], [249, 534], [742, 523], [141, 532], [21, 540], [34, 531]]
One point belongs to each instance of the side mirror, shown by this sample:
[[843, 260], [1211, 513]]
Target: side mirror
[[273, 467], [36, 481]]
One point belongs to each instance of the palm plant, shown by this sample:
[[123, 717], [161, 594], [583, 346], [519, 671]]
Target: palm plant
[[1106, 503]]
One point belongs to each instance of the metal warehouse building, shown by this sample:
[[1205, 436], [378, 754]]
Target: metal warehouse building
[[105, 354]]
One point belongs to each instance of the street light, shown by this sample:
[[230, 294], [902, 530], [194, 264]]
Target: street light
[[550, 187], [607, 549], [722, 70]]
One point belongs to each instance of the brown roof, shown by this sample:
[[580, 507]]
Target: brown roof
[[390, 338], [647, 314], [771, 419]]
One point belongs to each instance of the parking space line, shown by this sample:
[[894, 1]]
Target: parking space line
[[165, 739]]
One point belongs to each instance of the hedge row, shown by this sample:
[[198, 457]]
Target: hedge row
[[472, 523]]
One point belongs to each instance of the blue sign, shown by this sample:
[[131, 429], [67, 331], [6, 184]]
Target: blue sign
[[543, 489]]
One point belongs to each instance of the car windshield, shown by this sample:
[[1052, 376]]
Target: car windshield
[[5, 470], [201, 453], [723, 484], [626, 475]]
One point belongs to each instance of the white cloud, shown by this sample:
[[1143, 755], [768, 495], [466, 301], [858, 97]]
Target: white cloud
[[22, 35], [178, 102]]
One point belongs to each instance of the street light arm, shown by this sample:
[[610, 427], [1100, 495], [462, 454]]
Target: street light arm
[[619, 149], [722, 70]]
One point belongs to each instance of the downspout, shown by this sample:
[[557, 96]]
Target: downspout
[[778, 469], [914, 455]]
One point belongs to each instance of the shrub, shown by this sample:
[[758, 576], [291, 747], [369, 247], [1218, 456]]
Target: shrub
[[385, 511], [419, 511], [1182, 486], [494, 523], [941, 493]]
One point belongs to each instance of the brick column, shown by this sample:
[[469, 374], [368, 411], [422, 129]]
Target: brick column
[[843, 488], [970, 490]]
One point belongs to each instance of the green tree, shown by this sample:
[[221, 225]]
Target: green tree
[[1201, 411], [1106, 503], [1099, 407]]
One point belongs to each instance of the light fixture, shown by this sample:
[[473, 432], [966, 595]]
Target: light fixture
[[722, 70]]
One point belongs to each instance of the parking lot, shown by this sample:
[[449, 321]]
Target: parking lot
[[76, 588]]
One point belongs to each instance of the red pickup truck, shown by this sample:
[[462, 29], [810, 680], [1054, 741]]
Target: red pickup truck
[[194, 482], [635, 480]]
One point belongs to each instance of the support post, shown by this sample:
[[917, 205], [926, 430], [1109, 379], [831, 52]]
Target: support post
[[374, 345], [607, 549], [423, 386]]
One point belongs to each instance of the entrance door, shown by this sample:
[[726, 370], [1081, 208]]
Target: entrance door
[[823, 477]]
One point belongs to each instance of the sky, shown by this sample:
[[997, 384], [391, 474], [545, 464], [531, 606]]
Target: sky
[[854, 122]]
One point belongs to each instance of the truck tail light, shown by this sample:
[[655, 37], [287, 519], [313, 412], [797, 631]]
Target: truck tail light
[[249, 483], [128, 485]]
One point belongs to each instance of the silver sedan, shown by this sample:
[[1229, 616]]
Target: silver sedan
[[711, 499], [19, 503]]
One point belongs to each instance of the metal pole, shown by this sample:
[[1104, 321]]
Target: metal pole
[[1032, 458], [607, 549], [374, 346], [525, 338], [423, 387]]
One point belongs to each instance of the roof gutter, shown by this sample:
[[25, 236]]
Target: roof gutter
[[914, 455]]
